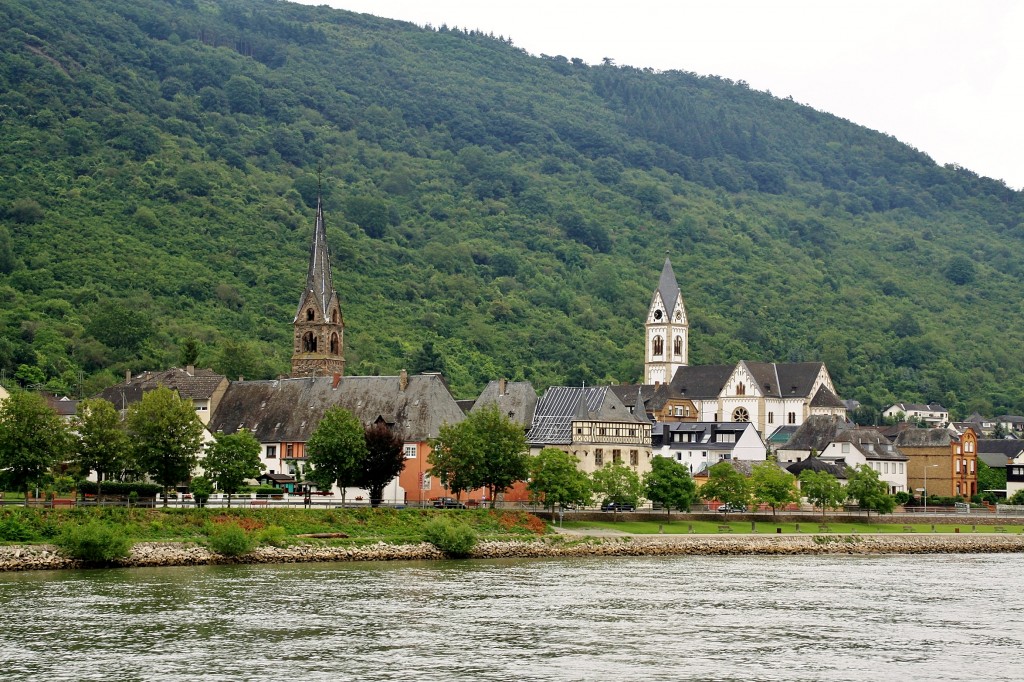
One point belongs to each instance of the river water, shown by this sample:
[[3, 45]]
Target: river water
[[645, 618]]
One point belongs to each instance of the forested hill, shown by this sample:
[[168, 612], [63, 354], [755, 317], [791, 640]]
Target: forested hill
[[490, 213]]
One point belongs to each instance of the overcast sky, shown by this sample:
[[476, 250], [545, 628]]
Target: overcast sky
[[944, 76]]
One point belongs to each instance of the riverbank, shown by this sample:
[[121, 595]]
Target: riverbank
[[148, 554]]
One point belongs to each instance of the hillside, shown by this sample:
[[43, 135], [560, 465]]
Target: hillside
[[490, 213]]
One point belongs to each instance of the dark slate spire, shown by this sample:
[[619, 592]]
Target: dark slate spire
[[318, 279], [668, 286]]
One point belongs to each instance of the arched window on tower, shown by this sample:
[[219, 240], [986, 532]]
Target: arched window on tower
[[309, 315], [334, 316], [308, 343], [678, 346], [658, 346], [335, 345]]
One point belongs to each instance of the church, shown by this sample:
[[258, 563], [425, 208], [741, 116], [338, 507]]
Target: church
[[766, 394]]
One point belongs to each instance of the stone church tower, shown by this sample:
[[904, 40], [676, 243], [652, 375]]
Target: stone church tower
[[319, 328], [667, 331]]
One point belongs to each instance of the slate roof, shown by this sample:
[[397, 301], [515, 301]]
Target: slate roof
[[1011, 419], [628, 393], [774, 380], [995, 451], [871, 443], [826, 398], [817, 464], [289, 410], [906, 408], [318, 277], [518, 401], [668, 286], [62, 405], [561, 405], [200, 385], [707, 431], [815, 433], [925, 438], [700, 381]]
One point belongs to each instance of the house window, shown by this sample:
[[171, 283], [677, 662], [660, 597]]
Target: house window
[[686, 410], [771, 417], [616, 457], [886, 467], [679, 411], [901, 467], [969, 446], [726, 438], [846, 448], [658, 346], [271, 451], [579, 430], [634, 458], [791, 418], [410, 450], [290, 450], [958, 466], [632, 433], [679, 457], [740, 414], [972, 466], [601, 431], [598, 458]]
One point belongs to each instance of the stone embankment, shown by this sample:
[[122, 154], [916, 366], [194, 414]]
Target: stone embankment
[[44, 557]]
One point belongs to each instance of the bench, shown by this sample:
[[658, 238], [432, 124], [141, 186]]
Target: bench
[[824, 528], [1000, 529], [908, 529], [258, 503], [724, 528]]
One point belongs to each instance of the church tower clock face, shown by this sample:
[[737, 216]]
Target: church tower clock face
[[657, 315]]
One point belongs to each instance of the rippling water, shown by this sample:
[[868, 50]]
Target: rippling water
[[673, 618]]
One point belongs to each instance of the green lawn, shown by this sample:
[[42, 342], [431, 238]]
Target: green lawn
[[766, 527]]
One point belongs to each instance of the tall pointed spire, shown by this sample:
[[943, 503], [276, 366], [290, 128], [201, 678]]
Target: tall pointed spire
[[666, 330], [319, 327], [319, 282], [668, 285]]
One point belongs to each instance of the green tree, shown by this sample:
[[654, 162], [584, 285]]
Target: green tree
[[101, 444], [960, 270], [772, 485], [231, 460], [726, 485], [619, 484], [337, 449], [384, 460], [243, 94], [990, 478], [188, 351], [201, 488], [871, 492], [166, 436], [821, 489], [669, 484], [556, 481], [485, 450], [32, 440]]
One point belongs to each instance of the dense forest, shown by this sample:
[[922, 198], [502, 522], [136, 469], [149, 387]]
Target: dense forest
[[490, 212]]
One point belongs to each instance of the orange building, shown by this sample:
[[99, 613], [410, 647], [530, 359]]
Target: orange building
[[942, 461]]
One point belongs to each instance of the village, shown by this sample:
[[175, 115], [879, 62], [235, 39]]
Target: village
[[788, 414]]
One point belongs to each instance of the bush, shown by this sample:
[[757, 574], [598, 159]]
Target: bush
[[94, 543], [230, 540], [274, 536], [13, 529], [455, 540], [116, 488], [902, 497]]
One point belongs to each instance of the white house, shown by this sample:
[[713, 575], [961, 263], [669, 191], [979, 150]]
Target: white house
[[854, 447], [698, 445], [933, 414]]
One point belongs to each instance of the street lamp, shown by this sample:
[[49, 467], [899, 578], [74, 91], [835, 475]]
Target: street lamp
[[926, 468]]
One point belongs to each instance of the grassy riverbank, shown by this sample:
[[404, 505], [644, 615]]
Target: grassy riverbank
[[764, 526], [356, 526]]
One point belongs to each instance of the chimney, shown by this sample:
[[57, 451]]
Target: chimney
[[335, 381], [190, 370], [403, 380], [127, 376], [501, 386]]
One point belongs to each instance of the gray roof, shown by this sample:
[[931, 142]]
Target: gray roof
[[201, 384], [995, 451], [518, 400], [289, 410], [318, 278], [925, 438], [826, 398], [561, 405], [707, 432], [817, 464], [918, 407], [871, 443], [775, 380], [668, 286], [815, 433], [1011, 418]]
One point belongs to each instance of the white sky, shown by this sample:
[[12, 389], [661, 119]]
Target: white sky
[[945, 76]]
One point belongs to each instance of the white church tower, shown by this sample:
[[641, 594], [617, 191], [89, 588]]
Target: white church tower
[[668, 343]]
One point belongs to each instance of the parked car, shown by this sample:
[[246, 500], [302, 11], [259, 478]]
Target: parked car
[[448, 503], [726, 508], [613, 506]]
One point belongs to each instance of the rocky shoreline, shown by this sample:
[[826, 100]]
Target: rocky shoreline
[[145, 554]]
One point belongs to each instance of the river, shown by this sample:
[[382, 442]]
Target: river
[[645, 618]]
